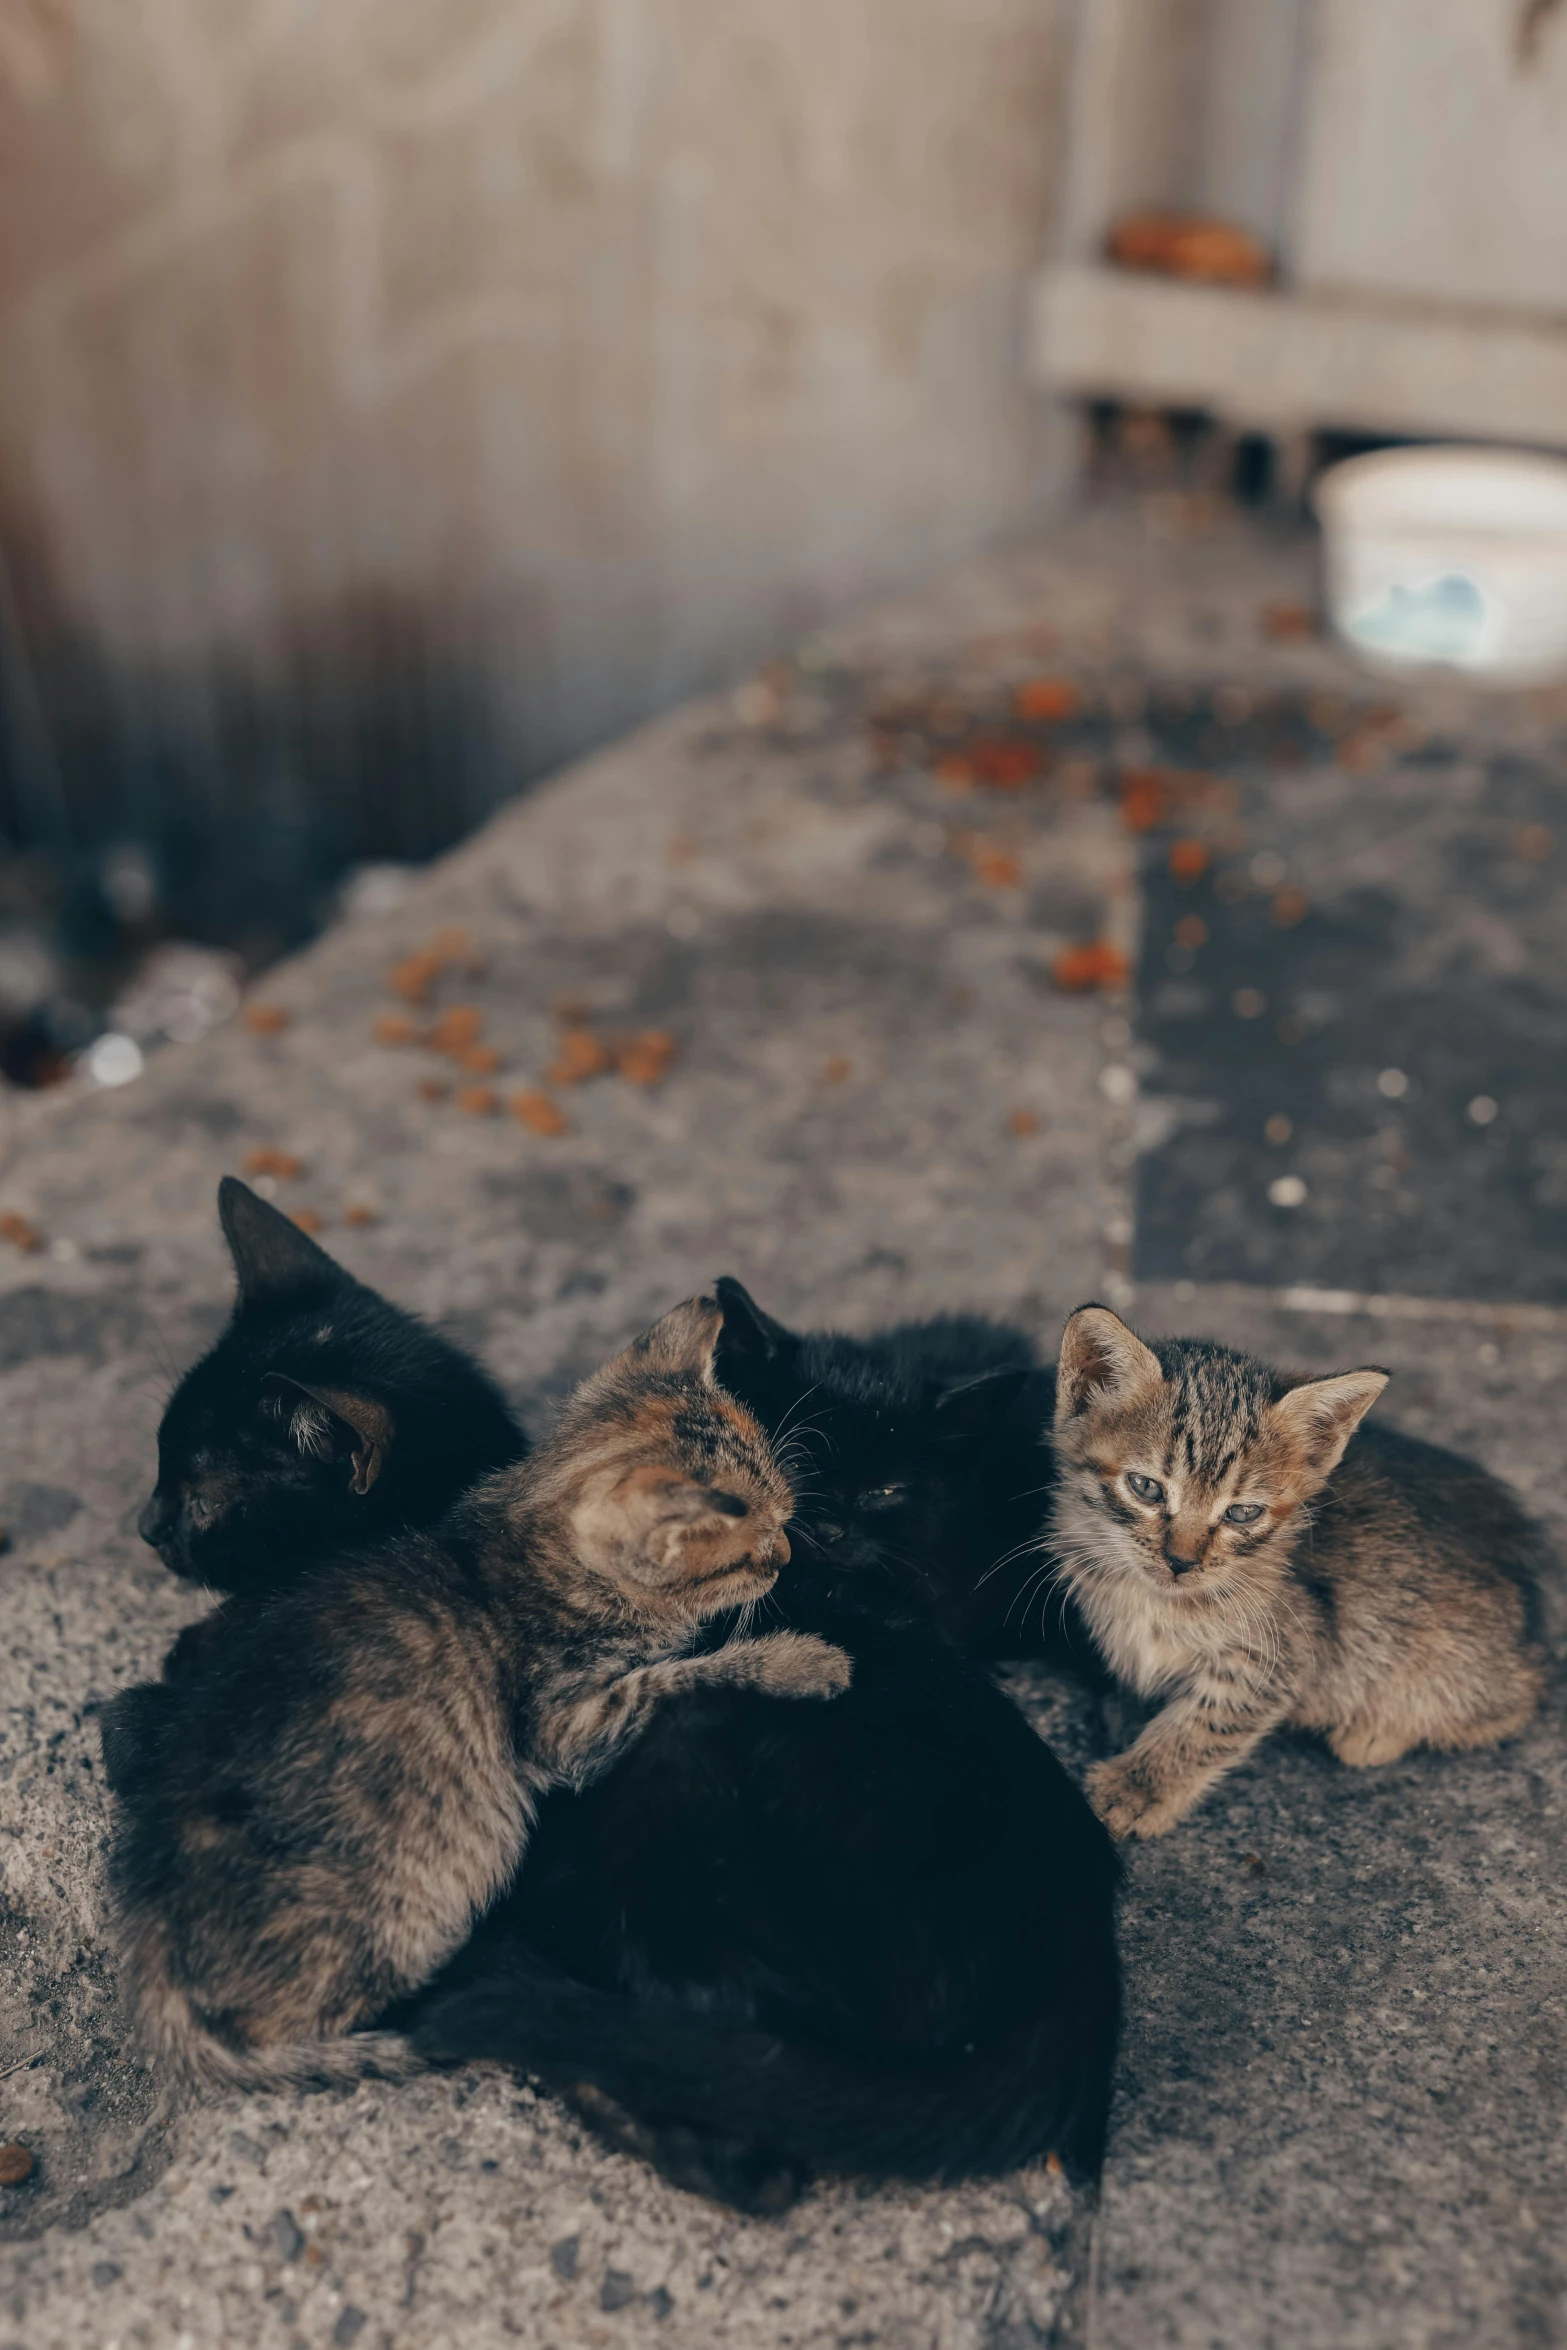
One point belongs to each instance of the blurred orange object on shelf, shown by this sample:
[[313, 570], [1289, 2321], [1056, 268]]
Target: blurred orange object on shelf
[[20, 1233], [265, 1019], [1078, 970], [1192, 245]]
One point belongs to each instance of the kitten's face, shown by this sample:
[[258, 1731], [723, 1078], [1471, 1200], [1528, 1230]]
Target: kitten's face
[[250, 1460], [673, 1492], [1189, 1468], [283, 1443], [893, 1464]]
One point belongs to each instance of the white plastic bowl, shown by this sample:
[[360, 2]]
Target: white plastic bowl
[[1451, 557]]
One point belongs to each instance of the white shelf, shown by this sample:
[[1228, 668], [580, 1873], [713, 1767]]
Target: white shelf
[[1280, 362]]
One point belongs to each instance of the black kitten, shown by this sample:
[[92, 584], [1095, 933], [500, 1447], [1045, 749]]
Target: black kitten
[[881, 1939], [323, 1416]]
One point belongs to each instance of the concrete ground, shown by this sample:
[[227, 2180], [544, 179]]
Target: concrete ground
[[1340, 2112]]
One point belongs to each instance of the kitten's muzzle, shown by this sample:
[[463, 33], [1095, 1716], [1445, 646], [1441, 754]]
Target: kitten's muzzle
[[157, 1520], [1180, 1566]]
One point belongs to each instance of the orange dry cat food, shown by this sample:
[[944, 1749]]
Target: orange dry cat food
[[539, 1114], [1078, 970], [265, 1019], [396, 1028], [579, 1055], [1044, 699], [267, 1161], [648, 1058], [458, 1027], [20, 1232]]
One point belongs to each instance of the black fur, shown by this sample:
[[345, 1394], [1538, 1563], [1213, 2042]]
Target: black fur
[[228, 1455], [240, 1503], [879, 1940]]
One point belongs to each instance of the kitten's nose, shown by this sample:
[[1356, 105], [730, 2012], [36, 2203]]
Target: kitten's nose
[[1179, 1566], [155, 1519]]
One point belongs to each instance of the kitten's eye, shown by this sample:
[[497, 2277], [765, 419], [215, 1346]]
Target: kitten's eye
[[1243, 1513], [1145, 1488], [882, 1497]]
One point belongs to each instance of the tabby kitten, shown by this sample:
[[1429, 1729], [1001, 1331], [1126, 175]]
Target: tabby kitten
[[322, 1416], [1227, 1554], [352, 1763], [876, 1937]]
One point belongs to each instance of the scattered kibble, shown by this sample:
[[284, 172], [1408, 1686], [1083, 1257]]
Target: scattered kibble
[[956, 775], [1248, 1003], [1024, 1122], [21, 1232], [308, 1219], [417, 973], [433, 1089], [265, 1019], [579, 1055], [359, 1212], [478, 1101], [16, 2165], [414, 977], [458, 1027], [1189, 860], [1278, 1129], [267, 1161], [1078, 970], [1043, 700], [1143, 798], [997, 868], [646, 1059], [1192, 931], [1289, 907], [835, 1069], [396, 1028], [1003, 763], [481, 1060], [539, 1114], [1534, 843]]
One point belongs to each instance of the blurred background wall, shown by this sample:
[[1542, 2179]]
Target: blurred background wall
[[398, 395]]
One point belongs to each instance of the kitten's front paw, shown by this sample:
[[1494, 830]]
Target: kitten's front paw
[[1126, 1802], [797, 1664]]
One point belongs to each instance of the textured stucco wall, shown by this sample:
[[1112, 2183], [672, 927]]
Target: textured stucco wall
[[605, 341]]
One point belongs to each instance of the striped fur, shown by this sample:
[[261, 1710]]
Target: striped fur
[[1229, 1558]]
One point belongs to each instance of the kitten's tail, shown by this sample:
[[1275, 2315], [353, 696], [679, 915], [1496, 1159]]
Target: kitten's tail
[[1042, 2089], [179, 2040]]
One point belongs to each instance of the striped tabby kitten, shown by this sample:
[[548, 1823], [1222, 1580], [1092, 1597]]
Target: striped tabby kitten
[[1228, 1556], [349, 1767]]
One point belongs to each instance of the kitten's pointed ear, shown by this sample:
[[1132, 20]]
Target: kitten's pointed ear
[[977, 1404], [332, 1422], [686, 1339], [1321, 1415], [751, 1336], [1101, 1362], [272, 1257]]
